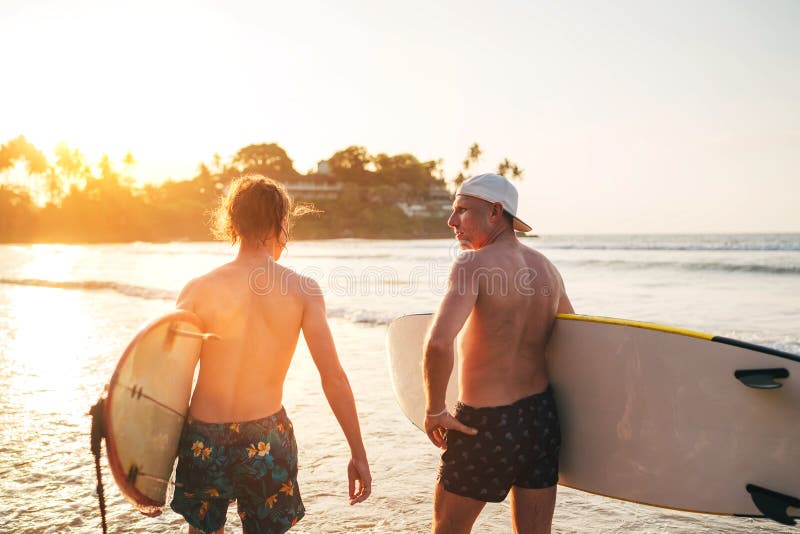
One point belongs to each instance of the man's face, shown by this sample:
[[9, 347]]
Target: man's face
[[470, 222]]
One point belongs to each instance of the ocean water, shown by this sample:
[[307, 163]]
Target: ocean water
[[67, 312]]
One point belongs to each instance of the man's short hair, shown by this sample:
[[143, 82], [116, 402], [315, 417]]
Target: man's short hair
[[509, 218]]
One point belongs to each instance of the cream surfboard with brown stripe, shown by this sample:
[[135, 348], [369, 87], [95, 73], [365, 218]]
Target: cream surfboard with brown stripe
[[146, 406]]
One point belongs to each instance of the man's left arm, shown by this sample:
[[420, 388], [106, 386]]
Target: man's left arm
[[458, 302]]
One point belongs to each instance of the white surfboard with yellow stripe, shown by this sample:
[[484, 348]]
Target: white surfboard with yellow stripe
[[657, 415]]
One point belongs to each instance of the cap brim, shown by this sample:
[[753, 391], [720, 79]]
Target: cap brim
[[520, 226]]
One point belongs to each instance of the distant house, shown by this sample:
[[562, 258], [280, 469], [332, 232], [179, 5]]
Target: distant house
[[323, 167], [439, 195], [414, 210], [437, 204], [314, 186]]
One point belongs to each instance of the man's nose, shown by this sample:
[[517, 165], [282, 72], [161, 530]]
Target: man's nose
[[452, 220]]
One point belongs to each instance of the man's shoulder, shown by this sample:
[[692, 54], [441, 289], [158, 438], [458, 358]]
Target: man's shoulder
[[533, 254], [493, 254], [469, 260], [516, 254]]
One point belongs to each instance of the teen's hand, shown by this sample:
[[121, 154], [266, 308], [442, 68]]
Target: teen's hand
[[359, 480]]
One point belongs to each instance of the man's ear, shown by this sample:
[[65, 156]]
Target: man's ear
[[497, 210]]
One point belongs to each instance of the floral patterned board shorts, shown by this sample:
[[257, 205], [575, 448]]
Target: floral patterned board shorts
[[253, 462], [516, 445]]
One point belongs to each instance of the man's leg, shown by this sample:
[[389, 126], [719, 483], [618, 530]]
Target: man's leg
[[193, 530], [453, 514], [532, 509]]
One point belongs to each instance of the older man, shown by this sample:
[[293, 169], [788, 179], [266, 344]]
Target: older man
[[502, 299]]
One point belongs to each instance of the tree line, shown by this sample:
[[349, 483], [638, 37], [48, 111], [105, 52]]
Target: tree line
[[66, 199]]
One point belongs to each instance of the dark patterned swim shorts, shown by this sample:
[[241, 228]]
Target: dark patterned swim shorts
[[254, 462], [516, 445]]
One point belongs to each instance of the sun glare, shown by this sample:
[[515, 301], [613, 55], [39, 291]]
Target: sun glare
[[50, 330], [52, 262]]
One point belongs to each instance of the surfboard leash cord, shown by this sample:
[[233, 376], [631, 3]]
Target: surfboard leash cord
[[98, 433]]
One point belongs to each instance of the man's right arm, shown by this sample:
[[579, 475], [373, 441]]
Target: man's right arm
[[457, 304]]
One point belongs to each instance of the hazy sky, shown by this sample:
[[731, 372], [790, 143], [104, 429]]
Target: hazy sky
[[637, 116]]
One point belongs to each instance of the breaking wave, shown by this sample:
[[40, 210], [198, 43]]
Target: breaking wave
[[694, 266], [149, 293]]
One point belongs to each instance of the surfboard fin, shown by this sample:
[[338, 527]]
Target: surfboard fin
[[773, 504], [761, 378], [133, 472]]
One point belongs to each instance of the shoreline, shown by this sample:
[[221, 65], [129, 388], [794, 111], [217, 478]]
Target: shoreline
[[447, 236]]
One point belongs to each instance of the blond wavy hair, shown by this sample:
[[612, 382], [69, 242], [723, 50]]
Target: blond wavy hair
[[256, 208]]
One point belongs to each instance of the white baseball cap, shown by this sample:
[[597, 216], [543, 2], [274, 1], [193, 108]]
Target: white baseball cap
[[495, 188]]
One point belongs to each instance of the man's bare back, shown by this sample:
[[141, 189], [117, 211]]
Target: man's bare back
[[502, 344]]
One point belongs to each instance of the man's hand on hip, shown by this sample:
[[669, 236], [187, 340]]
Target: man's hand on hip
[[435, 427]]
